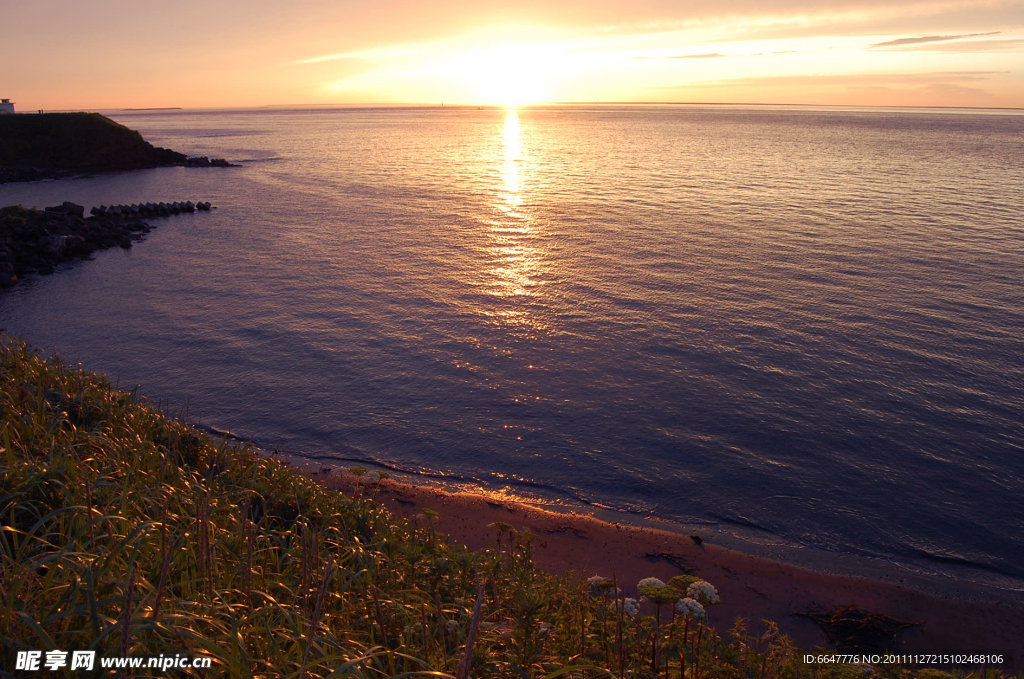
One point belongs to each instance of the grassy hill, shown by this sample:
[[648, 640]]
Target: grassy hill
[[52, 144]]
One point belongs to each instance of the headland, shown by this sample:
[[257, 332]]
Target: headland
[[57, 145]]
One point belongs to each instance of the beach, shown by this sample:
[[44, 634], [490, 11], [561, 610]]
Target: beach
[[752, 587]]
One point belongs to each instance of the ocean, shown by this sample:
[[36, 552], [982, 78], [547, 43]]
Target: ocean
[[794, 326]]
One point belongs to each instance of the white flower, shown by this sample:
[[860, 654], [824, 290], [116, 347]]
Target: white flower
[[595, 580], [690, 608], [631, 607], [452, 625], [704, 592], [652, 582]]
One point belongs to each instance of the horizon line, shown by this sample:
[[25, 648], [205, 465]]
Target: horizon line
[[518, 106]]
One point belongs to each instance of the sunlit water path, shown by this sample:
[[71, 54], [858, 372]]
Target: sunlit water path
[[803, 326]]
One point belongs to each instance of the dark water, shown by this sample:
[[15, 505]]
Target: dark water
[[795, 325]]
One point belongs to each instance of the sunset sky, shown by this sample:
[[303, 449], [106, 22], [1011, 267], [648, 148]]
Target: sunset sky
[[70, 54]]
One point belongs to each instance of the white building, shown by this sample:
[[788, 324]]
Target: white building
[[6, 106]]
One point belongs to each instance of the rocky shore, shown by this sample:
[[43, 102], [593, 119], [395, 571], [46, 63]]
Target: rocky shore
[[36, 241], [58, 145]]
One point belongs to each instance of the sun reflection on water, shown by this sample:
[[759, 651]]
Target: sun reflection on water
[[513, 200], [517, 260]]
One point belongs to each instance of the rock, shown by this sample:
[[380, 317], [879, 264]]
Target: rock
[[7, 276], [205, 161], [853, 630], [54, 245], [74, 246], [68, 208]]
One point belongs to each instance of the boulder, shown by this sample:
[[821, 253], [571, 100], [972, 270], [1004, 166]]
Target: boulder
[[68, 208]]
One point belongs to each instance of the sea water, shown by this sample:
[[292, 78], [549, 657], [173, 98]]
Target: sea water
[[796, 325]]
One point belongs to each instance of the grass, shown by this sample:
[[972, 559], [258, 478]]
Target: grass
[[127, 532]]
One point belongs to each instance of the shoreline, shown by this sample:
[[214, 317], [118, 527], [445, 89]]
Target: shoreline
[[959, 617]]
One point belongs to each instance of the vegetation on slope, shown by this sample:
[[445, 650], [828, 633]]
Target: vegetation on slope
[[54, 144], [129, 533]]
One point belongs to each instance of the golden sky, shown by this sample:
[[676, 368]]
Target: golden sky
[[99, 54]]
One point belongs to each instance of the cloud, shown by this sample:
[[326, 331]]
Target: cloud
[[709, 55], [944, 78], [654, 16], [332, 57], [1008, 45], [928, 38]]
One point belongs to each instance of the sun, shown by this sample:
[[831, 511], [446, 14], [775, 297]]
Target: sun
[[508, 76]]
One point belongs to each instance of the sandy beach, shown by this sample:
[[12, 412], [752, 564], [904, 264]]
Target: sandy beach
[[751, 587]]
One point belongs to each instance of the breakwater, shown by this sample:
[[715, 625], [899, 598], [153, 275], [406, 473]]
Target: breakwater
[[149, 209], [36, 241]]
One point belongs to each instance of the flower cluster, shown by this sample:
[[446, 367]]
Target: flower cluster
[[657, 591], [704, 593], [690, 608], [650, 582], [631, 607]]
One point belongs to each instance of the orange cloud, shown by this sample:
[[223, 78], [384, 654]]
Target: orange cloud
[[928, 38]]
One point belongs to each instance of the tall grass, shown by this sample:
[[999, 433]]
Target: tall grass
[[127, 532]]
